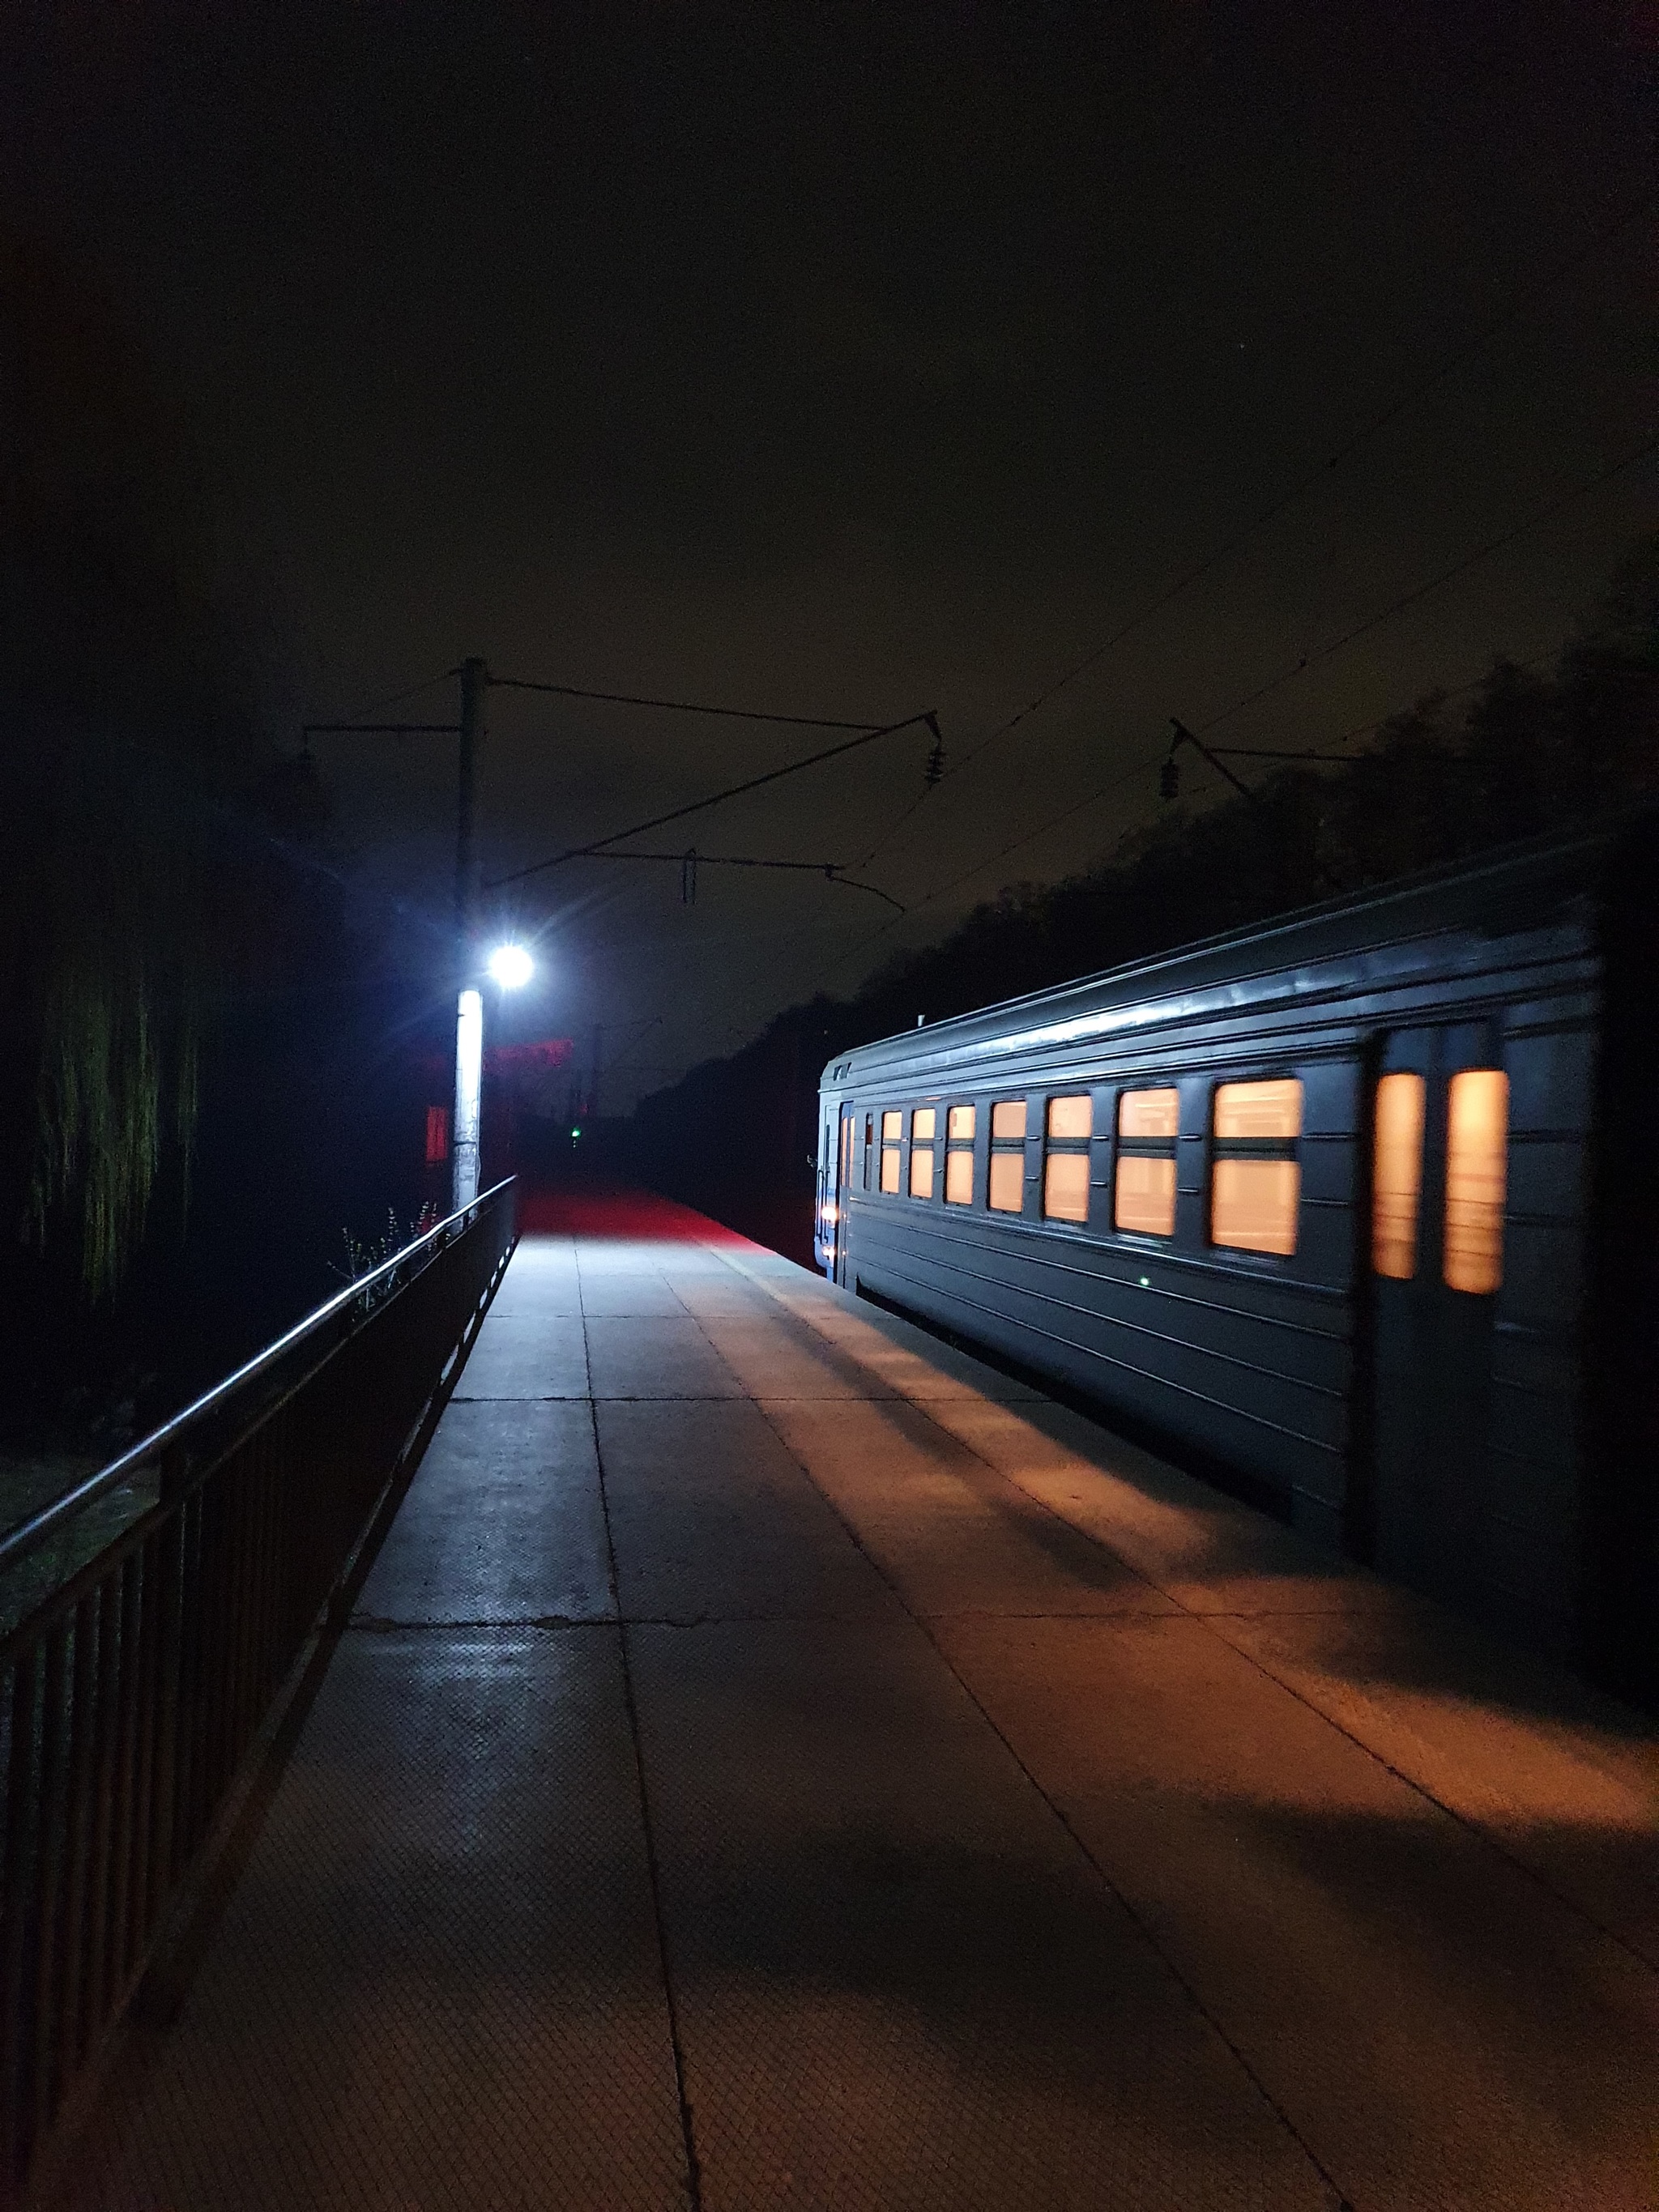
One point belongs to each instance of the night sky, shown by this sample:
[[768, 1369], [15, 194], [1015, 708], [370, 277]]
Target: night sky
[[852, 362]]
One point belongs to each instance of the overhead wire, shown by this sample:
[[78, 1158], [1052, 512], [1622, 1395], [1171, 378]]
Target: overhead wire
[[1443, 368], [1532, 521], [685, 706], [867, 736]]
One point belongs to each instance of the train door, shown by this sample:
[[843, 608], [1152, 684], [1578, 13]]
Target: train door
[[1438, 1172], [844, 1158]]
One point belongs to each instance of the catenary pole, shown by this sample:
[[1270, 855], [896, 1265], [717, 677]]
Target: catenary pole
[[469, 1008]]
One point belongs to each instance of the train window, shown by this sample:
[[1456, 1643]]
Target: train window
[[1397, 1175], [1144, 1194], [1066, 1172], [1258, 1109], [1005, 1189], [1149, 1113], [1256, 1181], [1065, 1186], [924, 1121], [869, 1145], [1477, 1142], [891, 1124], [1070, 1117], [1144, 1186], [1252, 1204], [959, 1158]]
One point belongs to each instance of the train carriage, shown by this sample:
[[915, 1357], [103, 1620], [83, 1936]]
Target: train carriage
[[1360, 1207]]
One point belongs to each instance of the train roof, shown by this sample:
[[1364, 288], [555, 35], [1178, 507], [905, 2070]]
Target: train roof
[[1495, 894]]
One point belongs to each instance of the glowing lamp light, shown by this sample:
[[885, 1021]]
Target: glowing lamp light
[[511, 966]]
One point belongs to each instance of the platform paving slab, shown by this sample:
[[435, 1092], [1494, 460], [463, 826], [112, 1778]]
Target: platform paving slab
[[437, 1983], [959, 1807]]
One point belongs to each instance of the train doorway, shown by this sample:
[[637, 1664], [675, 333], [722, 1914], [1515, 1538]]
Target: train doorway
[[1439, 1171], [844, 1158]]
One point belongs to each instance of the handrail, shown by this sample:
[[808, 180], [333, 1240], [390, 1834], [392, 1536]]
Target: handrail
[[19, 1541]]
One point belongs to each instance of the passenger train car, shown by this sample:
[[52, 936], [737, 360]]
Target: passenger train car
[[1363, 1206]]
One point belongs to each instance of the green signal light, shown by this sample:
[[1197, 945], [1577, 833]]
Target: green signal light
[[575, 1133]]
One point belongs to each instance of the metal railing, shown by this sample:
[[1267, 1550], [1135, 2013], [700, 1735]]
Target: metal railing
[[132, 1692]]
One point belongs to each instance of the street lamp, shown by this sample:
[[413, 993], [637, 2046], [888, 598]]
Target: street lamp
[[511, 967]]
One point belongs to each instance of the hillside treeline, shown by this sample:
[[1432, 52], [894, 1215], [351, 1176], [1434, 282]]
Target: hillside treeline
[[1527, 751]]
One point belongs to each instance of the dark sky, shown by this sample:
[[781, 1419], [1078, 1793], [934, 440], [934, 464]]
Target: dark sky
[[854, 360]]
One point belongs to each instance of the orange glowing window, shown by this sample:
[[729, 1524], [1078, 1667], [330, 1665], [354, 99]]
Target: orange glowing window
[[1149, 1113], [960, 1127], [893, 1126], [1144, 1194], [1259, 1109], [1065, 1186], [1397, 1175], [1005, 1189], [1070, 1117], [1477, 1158], [958, 1178], [1144, 1184], [1252, 1204], [922, 1171], [923, 1123], [1255, 1181], [1008, 1120]]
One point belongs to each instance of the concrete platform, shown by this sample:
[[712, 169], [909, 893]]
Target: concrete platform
[[778, 1762]]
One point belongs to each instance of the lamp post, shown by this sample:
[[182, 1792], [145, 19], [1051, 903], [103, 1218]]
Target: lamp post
[[469, 1006], [510, 967]]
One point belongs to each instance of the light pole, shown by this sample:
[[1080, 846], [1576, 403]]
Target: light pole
[[469, 1005], [510, 967]]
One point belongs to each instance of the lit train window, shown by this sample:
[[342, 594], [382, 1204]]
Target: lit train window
[[869, 1144], [1065, 1186], [1255, 1179], [1397, 1175], [1144, 1195], [1005, 1190], [1149, 1113], [923, 1122], [1252, 1204], [1258, 1109], [1144, 1185], [1070, 1117], [891, 1124], [1477, 1146], [1070, 1122], [1005, 1187], [959, 1158]]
